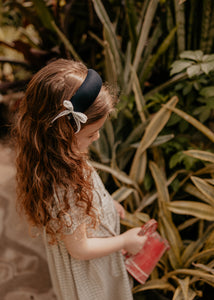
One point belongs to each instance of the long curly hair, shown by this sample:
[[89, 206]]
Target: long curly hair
[[46, 156]]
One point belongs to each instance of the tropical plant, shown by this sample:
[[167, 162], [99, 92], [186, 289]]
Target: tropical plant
[[188, 265], [149, 160]]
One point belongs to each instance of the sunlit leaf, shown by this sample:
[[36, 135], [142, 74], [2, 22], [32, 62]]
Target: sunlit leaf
[[160, 182], [193, 70], [192, 208], [192, 190], [191, 272], [150, 13], [194, 55], [179, 65], [205, 188], [200, 255], [130, 220], [211, 181], [192, 250], [187, 224], [180, 294], [205, 130], [203, 155], [123, 177], [172, 235], [122, 193], [206, 170], [162, 139], [142, 216], [139, 99], [204, 268], [152, 130], [138, 173], [159, 284], [110, 33], [170, 230]]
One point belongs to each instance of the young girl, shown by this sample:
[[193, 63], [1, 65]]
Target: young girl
[[64, 108]]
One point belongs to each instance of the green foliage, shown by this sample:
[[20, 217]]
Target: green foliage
[[188, 260], [194, 63], [155, 152]]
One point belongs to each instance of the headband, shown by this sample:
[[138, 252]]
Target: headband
[[82, 99]]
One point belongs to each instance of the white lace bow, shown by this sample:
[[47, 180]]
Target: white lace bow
[[78, 116]]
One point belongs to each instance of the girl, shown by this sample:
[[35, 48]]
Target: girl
[[64, 108]]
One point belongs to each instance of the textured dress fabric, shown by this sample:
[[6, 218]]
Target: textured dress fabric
[[102, 278]]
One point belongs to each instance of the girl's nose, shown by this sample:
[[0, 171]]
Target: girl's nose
[[96, 136]]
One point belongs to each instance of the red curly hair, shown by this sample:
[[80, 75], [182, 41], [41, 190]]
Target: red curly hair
[[46, 159]]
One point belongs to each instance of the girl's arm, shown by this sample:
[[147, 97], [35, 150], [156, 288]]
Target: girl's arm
[[83, 248]]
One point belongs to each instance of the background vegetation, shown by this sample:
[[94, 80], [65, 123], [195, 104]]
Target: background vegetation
[[155, 153]]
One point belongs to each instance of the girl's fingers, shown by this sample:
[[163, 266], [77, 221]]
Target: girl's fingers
[[120, 209]]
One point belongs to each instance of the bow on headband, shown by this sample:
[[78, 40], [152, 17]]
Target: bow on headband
[[78, 116], [82, 99]]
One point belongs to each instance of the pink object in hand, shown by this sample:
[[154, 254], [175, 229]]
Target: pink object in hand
[[141, 265]]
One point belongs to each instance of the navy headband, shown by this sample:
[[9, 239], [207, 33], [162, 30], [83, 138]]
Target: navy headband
[[82, 99], [87, 92]]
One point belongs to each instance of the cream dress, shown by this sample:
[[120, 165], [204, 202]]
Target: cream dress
[[102, 278]]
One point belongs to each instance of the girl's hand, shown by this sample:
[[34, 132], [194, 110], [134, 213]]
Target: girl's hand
[[133, 241], [119, 209]]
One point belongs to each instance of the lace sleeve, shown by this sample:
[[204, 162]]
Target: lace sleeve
[[74, 217]]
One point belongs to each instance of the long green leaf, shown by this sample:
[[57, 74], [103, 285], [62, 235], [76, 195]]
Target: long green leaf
[[65, 41], [142, 216], [203, 155], [165, 218], [200, 255], [194, 247], [110, 66], [131, 20], [139, 99], [180, 22], [204, 268], [110, 34], [211, 34], [130, 220], [123, 177], [205, 130], [150, 13], [205, 23], [192, 208], [122, 193], [206, 170], [161, 184], [199, 274], [161, 50], [181, 294], [139, 169], [156, 124], [160, 140], [192, 190], [205, 188], [159, 284], [152, 130], [43, 13]]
